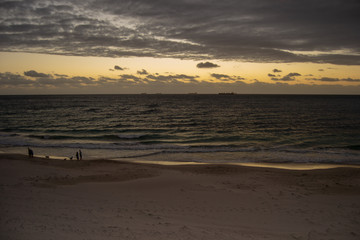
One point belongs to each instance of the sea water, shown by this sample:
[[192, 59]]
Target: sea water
[[178, 128]]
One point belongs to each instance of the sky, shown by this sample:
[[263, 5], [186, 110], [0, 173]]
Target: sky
[[182, 46]]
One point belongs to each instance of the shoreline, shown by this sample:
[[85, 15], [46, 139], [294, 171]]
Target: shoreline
[[104, 199], [287, 159], [275, 165], [284, 166]]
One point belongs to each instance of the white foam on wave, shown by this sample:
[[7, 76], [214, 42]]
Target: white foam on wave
[[130, 136], [174, 152]]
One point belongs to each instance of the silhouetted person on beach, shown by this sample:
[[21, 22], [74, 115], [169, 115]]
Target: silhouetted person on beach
[[77, 155], [30, 152], [80, 154]]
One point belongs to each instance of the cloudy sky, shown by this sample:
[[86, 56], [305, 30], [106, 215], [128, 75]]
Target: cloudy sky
[[168, 46]]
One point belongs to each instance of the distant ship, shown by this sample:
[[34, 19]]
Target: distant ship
[[227, 93]]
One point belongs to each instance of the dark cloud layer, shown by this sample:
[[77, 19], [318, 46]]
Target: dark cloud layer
[[116, 67], [286, 78], [329, 79], [44, 80], [250, 30], [179, 83], [35, 74], [225, 77], [294, 74], [172, 78], [207, 65], [142, 72]]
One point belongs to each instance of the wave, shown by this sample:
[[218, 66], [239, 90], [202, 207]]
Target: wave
[[8, 135], [353, 147], [202, 153], [157, 139], [107, 137], [248, 155]]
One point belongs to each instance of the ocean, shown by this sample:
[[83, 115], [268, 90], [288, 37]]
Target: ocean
[[185, 128]]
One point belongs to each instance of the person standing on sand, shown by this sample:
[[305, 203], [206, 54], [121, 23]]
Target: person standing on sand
[[77, 155], [30, 152], [80, 154]]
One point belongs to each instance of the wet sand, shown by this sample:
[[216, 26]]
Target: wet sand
[[101, 199]]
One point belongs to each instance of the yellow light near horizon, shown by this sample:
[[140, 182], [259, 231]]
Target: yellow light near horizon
[[70, 65], [92, 66], [17, 62]]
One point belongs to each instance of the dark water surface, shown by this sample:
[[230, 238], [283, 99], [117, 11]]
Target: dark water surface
[[205, 128]]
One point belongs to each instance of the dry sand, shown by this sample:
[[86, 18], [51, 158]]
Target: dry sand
[[56, 199]]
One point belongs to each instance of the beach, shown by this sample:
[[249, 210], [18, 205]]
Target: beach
[[101, 199]]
